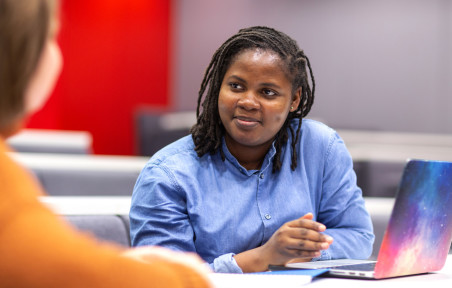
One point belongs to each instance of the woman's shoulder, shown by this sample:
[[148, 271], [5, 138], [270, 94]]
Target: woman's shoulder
[[316, 129], [179, 150], [178, 159]]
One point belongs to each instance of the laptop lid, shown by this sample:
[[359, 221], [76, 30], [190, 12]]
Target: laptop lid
[[419, 233], [418, 237]]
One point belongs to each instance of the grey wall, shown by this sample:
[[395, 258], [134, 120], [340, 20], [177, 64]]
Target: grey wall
[[382, 64]]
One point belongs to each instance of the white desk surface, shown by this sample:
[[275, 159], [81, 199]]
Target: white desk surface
[[398, 153], [80, 141], [77, 162], [88, 205], [396, 146], [438, 279], [442, 278]]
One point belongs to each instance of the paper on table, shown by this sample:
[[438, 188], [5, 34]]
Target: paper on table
[[261, 280], [306, 272]]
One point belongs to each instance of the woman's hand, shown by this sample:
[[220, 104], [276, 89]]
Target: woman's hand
[[299, 240]]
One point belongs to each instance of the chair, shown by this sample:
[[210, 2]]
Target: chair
[[110, 228], [156, 129]]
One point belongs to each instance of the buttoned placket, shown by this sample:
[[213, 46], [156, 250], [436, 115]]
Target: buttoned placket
[[264, 204]]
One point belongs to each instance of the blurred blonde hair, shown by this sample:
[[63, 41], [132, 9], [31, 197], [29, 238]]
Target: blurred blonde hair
[[25, 26]]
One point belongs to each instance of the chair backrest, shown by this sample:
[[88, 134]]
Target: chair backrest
[[156, 129], [104, 218], [110, 228], [84, 175], [378, 178]]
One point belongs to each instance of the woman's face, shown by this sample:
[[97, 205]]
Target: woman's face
[[255, 98], [44, 78]]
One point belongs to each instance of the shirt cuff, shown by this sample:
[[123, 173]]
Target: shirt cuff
[[324, 255], [225, 264]]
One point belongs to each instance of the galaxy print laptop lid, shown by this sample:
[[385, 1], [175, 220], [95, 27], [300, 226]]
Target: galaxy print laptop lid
[[419, 233]]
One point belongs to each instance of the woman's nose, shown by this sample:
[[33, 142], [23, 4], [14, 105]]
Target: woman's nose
[[249, 101]]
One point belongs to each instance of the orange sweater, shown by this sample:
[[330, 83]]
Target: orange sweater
[[37, 249]]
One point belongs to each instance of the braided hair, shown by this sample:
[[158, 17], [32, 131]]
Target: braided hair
[[208, 131]]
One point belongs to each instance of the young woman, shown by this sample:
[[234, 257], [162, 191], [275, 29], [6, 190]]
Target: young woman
[[255, 184], [36, 248]]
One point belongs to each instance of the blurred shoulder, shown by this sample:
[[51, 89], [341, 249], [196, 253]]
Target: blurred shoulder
[[316, 130], [179, 151]]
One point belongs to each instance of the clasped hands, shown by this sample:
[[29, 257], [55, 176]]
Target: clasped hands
[[299, 240]]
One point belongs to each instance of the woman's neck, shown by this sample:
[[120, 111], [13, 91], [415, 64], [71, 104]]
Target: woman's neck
[[250, 157]]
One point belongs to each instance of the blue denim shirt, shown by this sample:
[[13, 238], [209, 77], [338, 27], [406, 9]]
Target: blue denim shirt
[[218, 208]]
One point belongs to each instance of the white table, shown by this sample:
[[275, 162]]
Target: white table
[[52, 141], [438, 279], [88, 205]]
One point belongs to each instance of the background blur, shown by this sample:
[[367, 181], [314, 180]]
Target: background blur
[[379, 65]]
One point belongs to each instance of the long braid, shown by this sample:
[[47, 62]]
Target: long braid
[[306, 102], [208, 131]]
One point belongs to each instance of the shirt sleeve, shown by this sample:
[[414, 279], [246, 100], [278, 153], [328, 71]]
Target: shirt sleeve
[[225, 264], [159, 216], [342, 208], [158, 213]]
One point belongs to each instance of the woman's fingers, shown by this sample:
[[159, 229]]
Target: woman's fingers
[[304, 244], [304, 254], [308, 224], [301, 238], [303, 228]]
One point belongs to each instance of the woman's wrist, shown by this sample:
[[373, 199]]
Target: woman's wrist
[[254, 260]]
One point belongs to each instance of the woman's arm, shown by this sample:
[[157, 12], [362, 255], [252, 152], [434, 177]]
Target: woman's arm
[[342, 208], [158, 213], [159, 216]]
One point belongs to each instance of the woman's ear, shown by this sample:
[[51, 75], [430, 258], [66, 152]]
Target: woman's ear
[[295, 100]]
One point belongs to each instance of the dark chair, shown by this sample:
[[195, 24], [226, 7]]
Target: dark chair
[[156, 129], [378, 178]]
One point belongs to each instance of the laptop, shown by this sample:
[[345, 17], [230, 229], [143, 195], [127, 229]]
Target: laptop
[[419, 233]]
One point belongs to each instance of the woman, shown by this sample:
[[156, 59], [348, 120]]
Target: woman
[[255, 184], [37, 249]]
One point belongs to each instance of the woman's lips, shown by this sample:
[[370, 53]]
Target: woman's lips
[[246, 122]]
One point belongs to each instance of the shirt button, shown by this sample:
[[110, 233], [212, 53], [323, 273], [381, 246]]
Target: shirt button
[[261, 176], [268, 216]]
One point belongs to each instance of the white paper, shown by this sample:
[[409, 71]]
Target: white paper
[[229, 280]]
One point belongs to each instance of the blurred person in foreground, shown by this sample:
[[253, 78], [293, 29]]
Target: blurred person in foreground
[[37, 248]]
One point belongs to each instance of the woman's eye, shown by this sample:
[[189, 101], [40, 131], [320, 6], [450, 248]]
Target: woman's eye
[[235, 85], [268, 92]]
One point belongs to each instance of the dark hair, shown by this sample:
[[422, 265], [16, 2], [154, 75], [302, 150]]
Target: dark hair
[[208, 131], [24, 28]]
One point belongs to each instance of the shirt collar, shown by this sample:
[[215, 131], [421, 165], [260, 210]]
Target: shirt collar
[[268, 160]]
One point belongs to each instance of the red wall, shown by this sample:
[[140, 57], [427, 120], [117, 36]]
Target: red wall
[[116, 59]]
